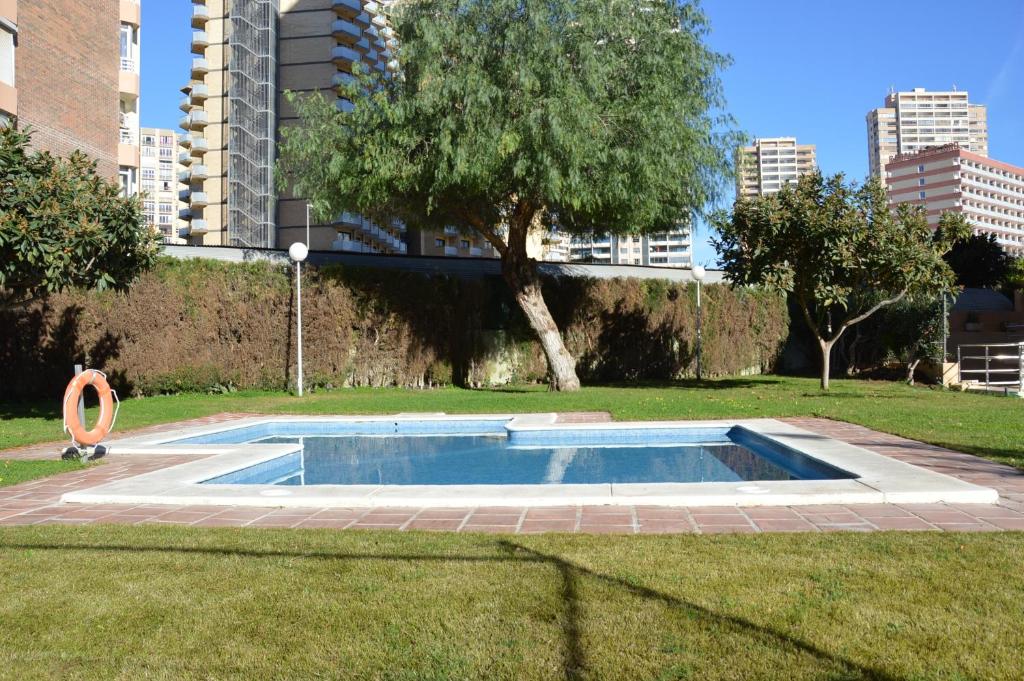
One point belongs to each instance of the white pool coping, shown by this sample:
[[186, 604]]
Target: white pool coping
[[879, 479]]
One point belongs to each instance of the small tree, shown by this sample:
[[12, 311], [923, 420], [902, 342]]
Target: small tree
[[518, 115], [912, 330], [64, 226], [979, 262], [838, 249]]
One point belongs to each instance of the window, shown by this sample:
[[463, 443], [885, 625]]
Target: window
[[166, 140], [920, 182], [166, 208], [439, 243], [149, 152], [148, 174], [465, 243], [166, 152], [148, 206], [165, 219], [166, 174], [148, 141], [920, 195], [6, 56]]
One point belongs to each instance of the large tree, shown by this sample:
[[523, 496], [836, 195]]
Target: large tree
[[63, 226], [980, 262], [838, 250], [510, 116]]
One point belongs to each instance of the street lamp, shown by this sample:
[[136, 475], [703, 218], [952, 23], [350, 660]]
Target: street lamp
[[698, 272], [298, 252]]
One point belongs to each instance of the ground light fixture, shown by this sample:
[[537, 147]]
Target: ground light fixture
[[698, 272], [298, 252]]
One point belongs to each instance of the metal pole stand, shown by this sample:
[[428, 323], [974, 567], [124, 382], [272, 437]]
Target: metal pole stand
[[83, 454]]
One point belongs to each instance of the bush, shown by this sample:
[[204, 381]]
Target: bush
[[203, 325]]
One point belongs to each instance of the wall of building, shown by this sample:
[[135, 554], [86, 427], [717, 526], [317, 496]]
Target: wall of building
[[68, 64]]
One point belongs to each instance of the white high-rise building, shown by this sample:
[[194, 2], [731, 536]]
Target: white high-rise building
[[159, 183], [771, 163], [920, 119]]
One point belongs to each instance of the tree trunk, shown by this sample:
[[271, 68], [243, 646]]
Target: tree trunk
[[826, 360], [520, 273], [911, 368]]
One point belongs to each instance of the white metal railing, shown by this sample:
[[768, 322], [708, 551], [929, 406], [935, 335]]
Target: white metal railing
[[128, 65], [129, 137], [992, 365]]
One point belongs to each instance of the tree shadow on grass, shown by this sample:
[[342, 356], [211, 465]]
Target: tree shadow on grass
[[574, 655]]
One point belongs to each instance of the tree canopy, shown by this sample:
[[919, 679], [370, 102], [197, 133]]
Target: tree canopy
[[515, 115], [980, 262], [64, 226], [838, 249]]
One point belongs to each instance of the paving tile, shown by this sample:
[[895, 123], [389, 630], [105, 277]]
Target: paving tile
[[725, 520], [421, 523], [665, 526], [964, 527], [872, 511], [546, 513], [606, 529], [784, 525], [902, 523], [727, 529], [548, 525], [1007, 523], [439, 513], [490, 529]]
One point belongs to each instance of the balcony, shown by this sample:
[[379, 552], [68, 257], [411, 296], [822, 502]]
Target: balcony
[[198, 93], [184, 158], [184, 194], [129, 65], [199, 172], [198, 227], [451, 250], [451, 230], [200, 146], [198, 119], [342, 79], [198, 200], [476, 252], [199, 42], [347, 8], [185, 140], [185, 105], [345, 31], [363, 19], [344, 56], [129, 136], [200, 15], [352, 219], [344, 105], [199, 68], [184, 214]]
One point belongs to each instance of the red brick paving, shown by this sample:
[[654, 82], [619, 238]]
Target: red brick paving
[[38, 502]]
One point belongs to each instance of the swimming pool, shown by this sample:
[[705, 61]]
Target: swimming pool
[[481, 453], [438, 460]]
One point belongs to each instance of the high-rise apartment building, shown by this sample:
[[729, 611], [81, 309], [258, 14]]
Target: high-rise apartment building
[[921, 119], [62, 74], [247, 53], [989, 193], [159, 182], [665, 249], [770, 163]]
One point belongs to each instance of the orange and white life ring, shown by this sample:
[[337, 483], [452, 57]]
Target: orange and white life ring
[[108, 413]]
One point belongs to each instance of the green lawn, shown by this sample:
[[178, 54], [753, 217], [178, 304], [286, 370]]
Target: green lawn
[[980, 424], [171, 602], [14, 472]]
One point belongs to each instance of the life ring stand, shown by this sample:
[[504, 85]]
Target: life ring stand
[[73, 426]]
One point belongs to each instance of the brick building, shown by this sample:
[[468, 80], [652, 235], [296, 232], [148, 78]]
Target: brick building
[[69, 71]]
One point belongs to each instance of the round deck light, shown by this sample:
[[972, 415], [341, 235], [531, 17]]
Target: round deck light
[[298, 251]]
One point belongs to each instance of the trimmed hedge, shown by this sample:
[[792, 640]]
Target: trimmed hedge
[[201, 325]]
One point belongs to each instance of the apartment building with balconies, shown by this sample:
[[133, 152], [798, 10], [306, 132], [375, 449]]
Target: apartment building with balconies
[[233, 109], [989, 193], [771, 163], [63, 76], [665, 249], [920, 119], [158, 171]]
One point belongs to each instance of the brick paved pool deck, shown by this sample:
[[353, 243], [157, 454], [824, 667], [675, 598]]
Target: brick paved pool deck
[[38, 502]]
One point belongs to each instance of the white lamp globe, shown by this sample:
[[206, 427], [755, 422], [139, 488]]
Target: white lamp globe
[[298, 251], [698, 272]]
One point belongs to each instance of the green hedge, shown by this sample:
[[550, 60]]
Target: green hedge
[[201, 325]]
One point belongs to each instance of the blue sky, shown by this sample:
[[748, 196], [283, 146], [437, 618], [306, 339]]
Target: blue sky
[[804, 68]]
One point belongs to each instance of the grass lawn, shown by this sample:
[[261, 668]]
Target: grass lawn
[[172, 602], [981, 424], [14, 472]]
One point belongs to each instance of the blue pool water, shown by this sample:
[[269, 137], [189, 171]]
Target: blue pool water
[[480, 453]]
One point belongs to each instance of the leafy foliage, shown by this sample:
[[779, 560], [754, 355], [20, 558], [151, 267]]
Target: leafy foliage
[[510, 115], [63, 226], [979, 262], [838, 249], [1015, 275]]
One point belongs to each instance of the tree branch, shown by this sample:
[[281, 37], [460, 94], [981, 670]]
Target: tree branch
[[861, 317]]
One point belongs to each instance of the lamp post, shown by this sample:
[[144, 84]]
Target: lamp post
[[698, 272], [298, 252]]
